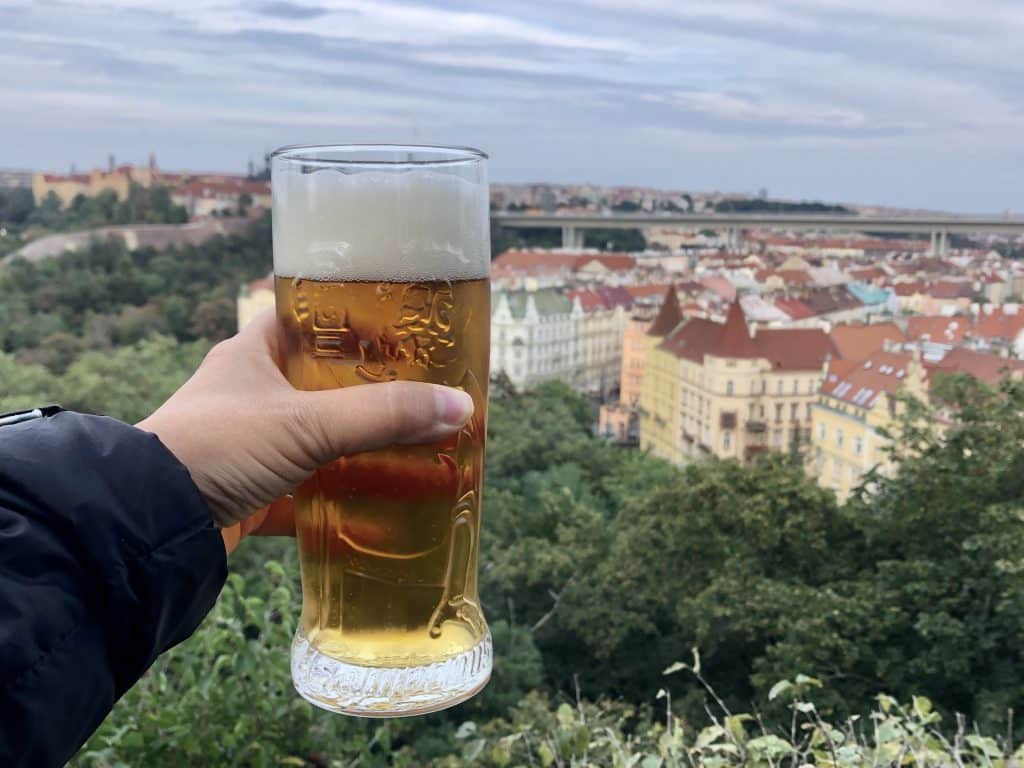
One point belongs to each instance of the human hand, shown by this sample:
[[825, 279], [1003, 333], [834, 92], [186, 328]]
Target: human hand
[[248, 437]]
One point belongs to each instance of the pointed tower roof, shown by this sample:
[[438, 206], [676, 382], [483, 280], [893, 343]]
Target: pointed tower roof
[[736, 340], [669, 316]]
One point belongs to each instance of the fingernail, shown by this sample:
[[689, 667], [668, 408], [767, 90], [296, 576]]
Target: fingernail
[[454, 407]]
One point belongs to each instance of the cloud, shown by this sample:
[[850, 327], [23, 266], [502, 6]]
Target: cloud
[[568, 87]]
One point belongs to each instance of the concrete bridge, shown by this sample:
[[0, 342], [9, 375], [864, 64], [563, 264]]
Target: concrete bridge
[[735, 224]]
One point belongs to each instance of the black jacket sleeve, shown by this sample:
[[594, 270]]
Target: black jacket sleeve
[[108, 557]]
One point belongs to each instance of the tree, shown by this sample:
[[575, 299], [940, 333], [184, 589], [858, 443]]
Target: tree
[[214, 319], [614, 239]]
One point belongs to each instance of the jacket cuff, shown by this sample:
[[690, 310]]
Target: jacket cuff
[[140, 529]]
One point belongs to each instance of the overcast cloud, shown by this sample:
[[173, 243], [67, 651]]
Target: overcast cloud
[[907, 102]]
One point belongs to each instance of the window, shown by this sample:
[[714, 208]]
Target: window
[[822, 431], [793, 411], [808, 411], [858, 445], [778, 411], [796, 387], [760, 411], [727, 441], [780, 386], [764, 386], [837, 472], [839, 438], [728, 387]]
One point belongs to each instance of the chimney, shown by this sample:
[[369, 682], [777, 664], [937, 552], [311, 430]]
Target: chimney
[[110, 163]]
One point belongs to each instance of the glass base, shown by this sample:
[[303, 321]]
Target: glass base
[[350, 689]]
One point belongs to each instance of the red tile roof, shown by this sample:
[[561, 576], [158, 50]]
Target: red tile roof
[[720, 286], [998, 325], [527, 259], [646, 291], [794, 349], [857, 341], [980, 365], [795, 308], [223, 187], [785, 349], [862, 384], [951, 290], [908, 289], [669, 316], [938, 330], [612, 261], [796, 277], [735, 340]]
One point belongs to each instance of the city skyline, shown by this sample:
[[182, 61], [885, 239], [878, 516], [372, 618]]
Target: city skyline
[[914, 106]]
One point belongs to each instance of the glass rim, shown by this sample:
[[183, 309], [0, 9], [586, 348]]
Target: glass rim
[[315, 154]]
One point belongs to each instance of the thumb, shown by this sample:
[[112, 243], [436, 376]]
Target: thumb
[[340, 422]]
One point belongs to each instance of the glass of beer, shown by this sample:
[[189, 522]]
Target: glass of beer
[[381, 262]]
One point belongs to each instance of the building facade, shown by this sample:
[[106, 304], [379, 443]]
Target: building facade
[[253, 298], [535, 336], [716, 389], [858, 401]]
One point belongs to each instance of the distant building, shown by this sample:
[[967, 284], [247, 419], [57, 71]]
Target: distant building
[[533, 269], [117, 179], [857, 403], [535, 336], [208, 197], [858, 341], [605, 314], [11, 178], [715, 389], [253, 298]]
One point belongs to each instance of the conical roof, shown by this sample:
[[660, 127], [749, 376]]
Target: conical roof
[[669, 316], [736, 340]]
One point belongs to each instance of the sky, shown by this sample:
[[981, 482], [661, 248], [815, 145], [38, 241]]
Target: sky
[[913, 103]]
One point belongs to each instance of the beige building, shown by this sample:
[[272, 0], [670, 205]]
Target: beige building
[[118, 179], [858, 402], [716, 389], [602, 324], [253, 298]]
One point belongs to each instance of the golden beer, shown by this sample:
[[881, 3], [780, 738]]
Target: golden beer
[[382, 278], [388, 539]]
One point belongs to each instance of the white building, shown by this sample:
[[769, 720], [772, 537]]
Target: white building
[[535, 336], [605, 313]]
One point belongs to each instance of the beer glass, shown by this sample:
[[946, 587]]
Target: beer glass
[[381, 262]]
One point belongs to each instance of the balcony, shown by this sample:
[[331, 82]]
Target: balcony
[[755, 427], [727, 420], [753, 451]]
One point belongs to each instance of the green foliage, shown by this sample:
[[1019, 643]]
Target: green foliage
[[615, 239], [128, 383], [142, 206], [598, 566], [106, 296], [777, 206]]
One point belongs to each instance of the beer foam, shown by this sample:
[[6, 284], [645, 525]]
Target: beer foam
[[333, 224]]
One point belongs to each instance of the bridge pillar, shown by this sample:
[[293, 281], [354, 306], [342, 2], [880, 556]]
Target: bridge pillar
[[933, 248], [943, 243], [572, 237]]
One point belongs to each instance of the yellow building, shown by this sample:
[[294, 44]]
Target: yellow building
[[118, 179], [659, 384], [253, 298], [858, 401], [715, 389]]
